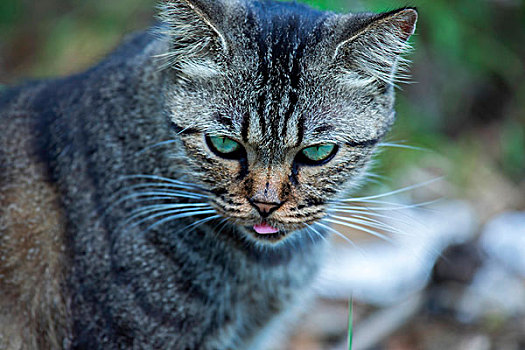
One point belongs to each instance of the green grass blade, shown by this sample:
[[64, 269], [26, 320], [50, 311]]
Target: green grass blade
[[350, 323]]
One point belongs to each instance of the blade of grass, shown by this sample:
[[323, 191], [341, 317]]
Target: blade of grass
[[350, 322]]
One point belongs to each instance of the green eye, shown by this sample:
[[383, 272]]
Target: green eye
[[225, 147], [318, 154]]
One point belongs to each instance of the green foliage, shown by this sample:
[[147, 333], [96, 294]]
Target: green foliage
[[330, 5]]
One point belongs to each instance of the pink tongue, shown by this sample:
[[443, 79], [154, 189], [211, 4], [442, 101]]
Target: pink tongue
[[265, 229]]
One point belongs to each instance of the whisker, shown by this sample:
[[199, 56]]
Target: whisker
[[161, 178], [173, 189], [337, 233], [157, 207], [360, 228], [169, 193], [370, 177], [155, 198], [178, 216], [197, 223], [397, 145], [163, 193], [375, 176], [153, 195], [182, 186], [401, 214], [403, 218], [394, 206], [222, 225], [190, 211], [309, 235], [162, 186], [359, 219], [366, 212], [319, 234], [224, 222], [401, 190], [158, 144], [149, 215]]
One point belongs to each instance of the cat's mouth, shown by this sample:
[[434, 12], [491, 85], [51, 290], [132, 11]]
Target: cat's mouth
[[266, 232], [270, 231], [265, 229]]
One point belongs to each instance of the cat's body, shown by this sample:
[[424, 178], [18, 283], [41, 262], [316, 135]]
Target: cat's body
[[81, 268]]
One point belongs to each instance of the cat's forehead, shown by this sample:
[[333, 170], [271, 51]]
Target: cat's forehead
[[275, 131], [277, 36]]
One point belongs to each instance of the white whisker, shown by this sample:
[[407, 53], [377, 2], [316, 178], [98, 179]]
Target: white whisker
[[159, 213], [224, 222], [197, 223], [146, 149], [159, 186], [152, 195], [375, 176], [154, 198], [180, 188], [401, 190], [393, 205], [366, 212], [404, 218], [363, 220], [337, 233], [178, 216], [157, 207], [397, 145], [319, 234], [368, 177], [360, 228], [164, 192], [160, 178], [185, 211], [309, 235]]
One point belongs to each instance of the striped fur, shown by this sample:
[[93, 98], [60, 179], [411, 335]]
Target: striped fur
[[120, 228]]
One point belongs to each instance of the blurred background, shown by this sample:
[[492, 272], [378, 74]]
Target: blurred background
[[461, 121]]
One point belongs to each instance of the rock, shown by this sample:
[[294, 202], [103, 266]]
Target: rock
[[503, 239]]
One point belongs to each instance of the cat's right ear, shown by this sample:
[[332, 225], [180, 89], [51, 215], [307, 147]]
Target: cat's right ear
[[193, 29]]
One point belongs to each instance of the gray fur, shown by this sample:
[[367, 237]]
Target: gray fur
[[124, 141]]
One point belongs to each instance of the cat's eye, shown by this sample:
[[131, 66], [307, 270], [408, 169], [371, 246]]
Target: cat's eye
[[317, 154], [225, 147]]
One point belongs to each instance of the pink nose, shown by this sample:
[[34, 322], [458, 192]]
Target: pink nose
[[264, 208]]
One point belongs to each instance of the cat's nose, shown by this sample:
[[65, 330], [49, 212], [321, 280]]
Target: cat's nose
[[265, 208]]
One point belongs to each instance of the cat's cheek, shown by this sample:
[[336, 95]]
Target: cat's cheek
[[310, 174], [214, 171]]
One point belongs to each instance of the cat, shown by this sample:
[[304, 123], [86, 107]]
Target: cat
[[173, 196]]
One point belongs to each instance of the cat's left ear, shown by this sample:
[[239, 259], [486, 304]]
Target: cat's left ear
[[374, 45]]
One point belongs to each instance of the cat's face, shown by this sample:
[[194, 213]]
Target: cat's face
[[282, 126]]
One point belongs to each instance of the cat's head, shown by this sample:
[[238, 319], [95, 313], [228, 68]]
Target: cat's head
[[279, 107]]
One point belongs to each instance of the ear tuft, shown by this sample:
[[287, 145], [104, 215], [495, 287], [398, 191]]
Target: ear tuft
[[376, 50]]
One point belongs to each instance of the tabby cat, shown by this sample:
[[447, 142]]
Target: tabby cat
[[173, 196]]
